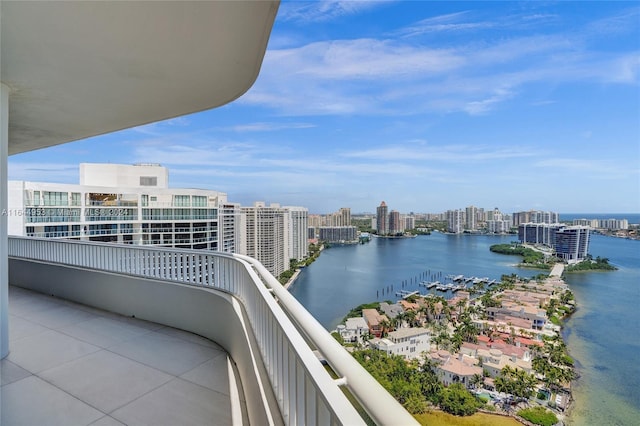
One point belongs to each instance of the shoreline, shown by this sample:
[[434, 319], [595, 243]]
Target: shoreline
[[292, 279]]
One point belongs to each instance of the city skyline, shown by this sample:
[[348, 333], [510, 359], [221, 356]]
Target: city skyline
[[429, 106]]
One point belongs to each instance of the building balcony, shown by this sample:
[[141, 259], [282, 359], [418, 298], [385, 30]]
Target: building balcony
[[105, 368], [143, 335]]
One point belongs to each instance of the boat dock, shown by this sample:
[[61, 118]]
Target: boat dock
[[405, 294]]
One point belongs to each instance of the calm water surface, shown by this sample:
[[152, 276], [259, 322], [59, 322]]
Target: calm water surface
[[602, 335]]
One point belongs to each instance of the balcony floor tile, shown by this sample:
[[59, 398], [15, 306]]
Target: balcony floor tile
[[212, 374], [20, 328], [191, 404], [103, 331], [32, 401], [116, 383], [48, 349], [107, 421], [9, 372], [166, 353]]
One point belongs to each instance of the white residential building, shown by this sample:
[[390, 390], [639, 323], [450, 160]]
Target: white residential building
[[267, 235], [455, 369], [129, 204], [407, 342], [455, 221], [354, 330], [298, 232], [498, 226]]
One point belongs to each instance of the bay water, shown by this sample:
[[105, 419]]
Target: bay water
[[602, 336]]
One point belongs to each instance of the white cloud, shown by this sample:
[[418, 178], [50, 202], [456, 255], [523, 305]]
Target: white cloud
[[371, 76], [270, 127], [43, 172], [592, 169], [325, 10], [449, 153]]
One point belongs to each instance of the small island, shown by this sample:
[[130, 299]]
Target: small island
[[544, 258]]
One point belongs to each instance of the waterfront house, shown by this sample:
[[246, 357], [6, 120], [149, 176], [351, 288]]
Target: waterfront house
[[354, 330], [391, 310], [409, 343], [451, 369], [494, 360], [375, 321]]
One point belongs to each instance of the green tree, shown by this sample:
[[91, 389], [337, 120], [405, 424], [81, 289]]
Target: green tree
[[515, 382], [457, 400], [538, 416]]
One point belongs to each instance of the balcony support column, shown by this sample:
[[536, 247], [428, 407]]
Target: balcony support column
[[4, 241]]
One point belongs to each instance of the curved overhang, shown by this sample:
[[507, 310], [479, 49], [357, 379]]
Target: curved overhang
[[80, 69]]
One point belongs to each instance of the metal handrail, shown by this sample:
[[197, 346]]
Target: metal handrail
[[377, 402], [288, 359]]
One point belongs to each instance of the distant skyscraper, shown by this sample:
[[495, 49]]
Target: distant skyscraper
[[535, 216], [382, 219], [337, 233], [345, 216], [409, 222], [455, 221], [395, 227], [471, 218], [572, 243], [340, 218], [267, 236], [298, 228]]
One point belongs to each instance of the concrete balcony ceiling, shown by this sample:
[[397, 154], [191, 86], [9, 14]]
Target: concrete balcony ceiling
[[80, 69]]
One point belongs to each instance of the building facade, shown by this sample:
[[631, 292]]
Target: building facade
[[455, 221], [128, 204], [298, 229], [382, 219], [267, 236], [395, 224], [538, 233], [572, 243], [335, 234]]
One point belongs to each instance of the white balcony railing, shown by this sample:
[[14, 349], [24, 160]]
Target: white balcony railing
[[305, 392]]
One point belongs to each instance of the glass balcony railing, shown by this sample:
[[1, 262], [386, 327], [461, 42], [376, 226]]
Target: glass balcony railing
[[304, 390]]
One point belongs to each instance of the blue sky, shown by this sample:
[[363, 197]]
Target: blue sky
[[428, 106]]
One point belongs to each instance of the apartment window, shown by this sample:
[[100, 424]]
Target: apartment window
[[56, 198], [36, 198], [75, 198], [182, 214], [56, 231], [199, 201], [181, 200], [44, 215], [148, 181], [145, 200], [154, 198]]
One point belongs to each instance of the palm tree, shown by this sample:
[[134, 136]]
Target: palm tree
[[476, 380], [384, 325], [411, 317]]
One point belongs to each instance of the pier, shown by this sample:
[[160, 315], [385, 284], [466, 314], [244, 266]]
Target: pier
[[405, 294]]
